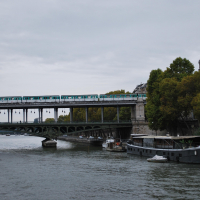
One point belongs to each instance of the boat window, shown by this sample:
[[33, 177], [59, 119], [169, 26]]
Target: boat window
[[150, 151], [146, 151]]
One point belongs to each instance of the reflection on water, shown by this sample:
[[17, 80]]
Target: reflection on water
[[79, 171]]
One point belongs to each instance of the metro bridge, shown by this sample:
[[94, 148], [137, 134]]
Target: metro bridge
[[137, 108], [52, 131]]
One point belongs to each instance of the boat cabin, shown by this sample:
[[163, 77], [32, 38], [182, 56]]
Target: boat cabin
[[164, 142]]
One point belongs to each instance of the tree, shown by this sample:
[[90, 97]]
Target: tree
[[179, 68], [49, 120], [196, 106], [152, 107], [165, 95]]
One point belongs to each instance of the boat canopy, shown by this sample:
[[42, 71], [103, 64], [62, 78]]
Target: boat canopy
[[165, 137]]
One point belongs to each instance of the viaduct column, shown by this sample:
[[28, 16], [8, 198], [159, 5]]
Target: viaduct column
[[56, 114], [102, 109], [24, 113], [11, 115], [39, 115], [8, 115], [86, 114], [117, 114], [71, 115]]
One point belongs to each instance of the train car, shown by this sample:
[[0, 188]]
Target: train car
[[15, 99], [33, 99], [143, 96], [117, 97], [85, 97]]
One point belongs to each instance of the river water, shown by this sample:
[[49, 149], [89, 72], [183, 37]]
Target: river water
[[78, 171]]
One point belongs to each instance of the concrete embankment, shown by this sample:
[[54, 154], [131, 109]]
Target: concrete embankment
[[92, 141]]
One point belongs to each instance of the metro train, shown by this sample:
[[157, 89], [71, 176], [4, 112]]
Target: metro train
[[65, 98]]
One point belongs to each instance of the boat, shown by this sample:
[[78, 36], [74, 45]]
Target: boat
[[7, 134], [157, 159], [114, 145], [105, 144], [184, 149]]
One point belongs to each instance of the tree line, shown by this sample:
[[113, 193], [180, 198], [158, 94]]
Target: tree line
[[173, 95]]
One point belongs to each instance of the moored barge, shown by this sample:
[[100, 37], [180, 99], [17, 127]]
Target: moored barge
[[185, 149]]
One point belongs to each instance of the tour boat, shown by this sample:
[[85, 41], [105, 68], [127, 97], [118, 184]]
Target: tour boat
[[185, 149], [114, 145]]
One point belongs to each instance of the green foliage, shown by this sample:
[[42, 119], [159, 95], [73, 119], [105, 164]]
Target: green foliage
[[49, 120], [179, 68], [196, 106], [170, 93], [94, 113], [152, 108]]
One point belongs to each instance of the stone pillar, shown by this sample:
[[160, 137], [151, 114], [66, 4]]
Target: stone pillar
[[71, 115], [117, 114], [140, 111], [102, 108], [56, 114], [8, 115], [86, 114], [133, 113], [24, 115], [11, 115]]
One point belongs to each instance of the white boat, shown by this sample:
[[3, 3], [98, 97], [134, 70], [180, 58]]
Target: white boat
[[157, 159]]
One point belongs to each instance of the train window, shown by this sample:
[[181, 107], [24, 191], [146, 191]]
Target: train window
[[40, 98]]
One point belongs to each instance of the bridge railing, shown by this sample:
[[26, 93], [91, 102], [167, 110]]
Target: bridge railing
[[68, 122]]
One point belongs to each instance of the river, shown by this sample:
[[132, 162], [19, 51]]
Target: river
[[78, 171]]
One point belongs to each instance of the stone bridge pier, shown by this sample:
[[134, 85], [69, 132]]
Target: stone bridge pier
[[139, 123]]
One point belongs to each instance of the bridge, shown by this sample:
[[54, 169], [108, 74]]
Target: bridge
[[137, 108], [56, 129]]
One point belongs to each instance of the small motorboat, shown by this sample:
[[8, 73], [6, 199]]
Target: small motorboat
[[157, 159]]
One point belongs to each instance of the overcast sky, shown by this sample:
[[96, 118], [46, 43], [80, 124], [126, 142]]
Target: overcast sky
[[92, 47]]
